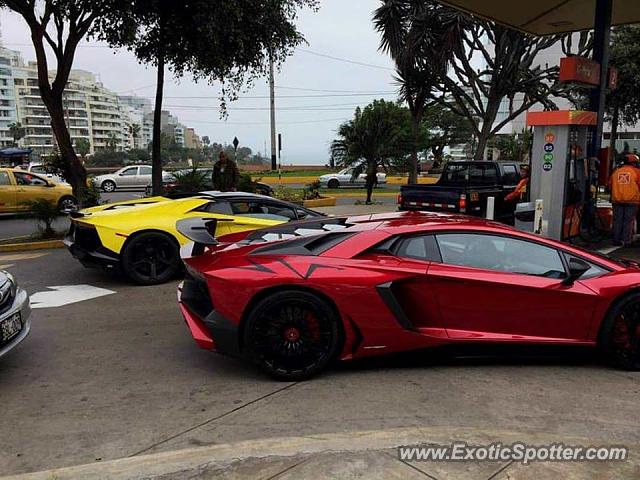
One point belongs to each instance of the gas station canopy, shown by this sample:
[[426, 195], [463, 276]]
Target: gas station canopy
[[544, 17]]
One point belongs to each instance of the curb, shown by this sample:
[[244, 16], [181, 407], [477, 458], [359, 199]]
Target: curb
[[174, 464], [320, 202], [28, 246]]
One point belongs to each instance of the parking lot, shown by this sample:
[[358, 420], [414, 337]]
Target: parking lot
[[119, 376]]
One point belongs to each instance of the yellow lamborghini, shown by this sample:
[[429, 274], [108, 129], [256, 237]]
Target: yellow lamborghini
[[140, 237]]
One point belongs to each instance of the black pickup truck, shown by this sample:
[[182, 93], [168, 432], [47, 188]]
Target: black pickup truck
[[464, 187]]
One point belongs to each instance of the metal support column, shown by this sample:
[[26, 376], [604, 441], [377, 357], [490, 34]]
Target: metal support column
[[601, 54]]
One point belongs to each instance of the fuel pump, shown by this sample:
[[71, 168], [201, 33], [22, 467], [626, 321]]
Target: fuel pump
[[561, 173]]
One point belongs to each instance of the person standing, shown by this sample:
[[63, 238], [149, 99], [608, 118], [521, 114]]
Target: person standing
[[520, 192], [225, 174], [624, 185]]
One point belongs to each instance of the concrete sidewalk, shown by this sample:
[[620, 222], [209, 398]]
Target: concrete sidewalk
[[368, 454]]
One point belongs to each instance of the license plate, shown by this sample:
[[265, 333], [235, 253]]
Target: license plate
[[10, 327]]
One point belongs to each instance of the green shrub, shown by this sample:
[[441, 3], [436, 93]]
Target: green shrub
[[44, 212], [289, 195], [191, 180], [90, 197], [312, 190]]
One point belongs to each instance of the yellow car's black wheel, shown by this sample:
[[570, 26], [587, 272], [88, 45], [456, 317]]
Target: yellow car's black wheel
[[151, 258]]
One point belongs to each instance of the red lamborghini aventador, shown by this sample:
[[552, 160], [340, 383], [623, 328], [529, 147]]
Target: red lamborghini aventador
[[295, 297]]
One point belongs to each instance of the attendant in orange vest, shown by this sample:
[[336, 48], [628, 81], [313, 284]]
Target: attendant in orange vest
[[625, 197], [520, 191]]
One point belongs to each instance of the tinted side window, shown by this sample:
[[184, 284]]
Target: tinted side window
[[263, 209], [510, 175], [130, 171], [28, 180], [4, 178], [145, 170], [593, 272], [216, 207], [485, 174], [423, 247], [506, 254]]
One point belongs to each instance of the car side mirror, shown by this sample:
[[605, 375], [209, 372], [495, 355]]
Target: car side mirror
[[577, 268]]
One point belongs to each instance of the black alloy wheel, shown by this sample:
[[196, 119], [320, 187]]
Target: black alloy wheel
[[333, 183], [621, 333], [292, 335], [151, 258]]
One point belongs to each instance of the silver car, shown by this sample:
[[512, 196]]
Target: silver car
[[345, 178], [14, 313], [133, 176]]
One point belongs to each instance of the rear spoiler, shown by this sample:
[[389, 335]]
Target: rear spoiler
[[201, 231]]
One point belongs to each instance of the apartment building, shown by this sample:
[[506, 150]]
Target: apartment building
[[92, 112], [8, 113]]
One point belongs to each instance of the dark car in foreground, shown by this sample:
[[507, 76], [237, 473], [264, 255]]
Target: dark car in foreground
[[464, 187], [14, 313], [295, 297]]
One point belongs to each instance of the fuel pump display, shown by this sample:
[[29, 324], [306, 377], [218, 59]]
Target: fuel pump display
[[561, 175]]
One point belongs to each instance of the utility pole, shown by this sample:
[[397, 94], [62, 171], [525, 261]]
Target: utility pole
[[272, 93]]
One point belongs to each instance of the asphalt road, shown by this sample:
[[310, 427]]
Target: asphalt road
[[15, 227], [119, 375]]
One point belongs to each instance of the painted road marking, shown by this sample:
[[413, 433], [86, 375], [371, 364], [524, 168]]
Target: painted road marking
[[4, 267], [21, 256], [67, 294]]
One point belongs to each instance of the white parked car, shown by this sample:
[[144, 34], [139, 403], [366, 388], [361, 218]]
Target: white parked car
[[133, 176], [344, 178], [41, 170]]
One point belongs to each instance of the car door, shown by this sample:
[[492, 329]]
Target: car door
[[30, 187], [7, 193], [498, 287], [128, 177], [144, 176]]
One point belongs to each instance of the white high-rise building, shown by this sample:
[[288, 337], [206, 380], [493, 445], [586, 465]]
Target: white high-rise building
[[92, 112]]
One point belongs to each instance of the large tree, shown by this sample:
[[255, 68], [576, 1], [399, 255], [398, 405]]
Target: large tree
[[492, 66], [418, 40], [228, 41], [446, 129], [623, 103], [376, 135], [59, 26]]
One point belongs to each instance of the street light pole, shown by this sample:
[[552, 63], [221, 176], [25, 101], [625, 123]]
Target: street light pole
[[272, 93], [601, 55]]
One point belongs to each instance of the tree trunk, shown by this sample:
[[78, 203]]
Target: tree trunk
[[493, 105], [413, 163], [615, 121], [156, 160], [371, 180], [74, 172]]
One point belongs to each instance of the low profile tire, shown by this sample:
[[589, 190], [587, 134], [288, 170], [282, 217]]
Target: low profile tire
[[151, 258], [67, 203], [292, 335], [108, 186], [620, 333], [333, 183]]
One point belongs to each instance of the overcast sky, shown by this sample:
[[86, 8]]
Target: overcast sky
[[339, 29]]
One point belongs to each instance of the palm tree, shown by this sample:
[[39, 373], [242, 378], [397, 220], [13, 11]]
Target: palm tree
[[376, 134], [17, 132], [418, 38], [134, 131]]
